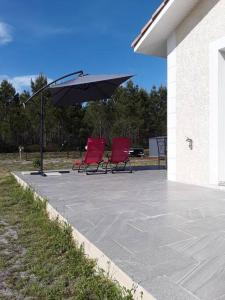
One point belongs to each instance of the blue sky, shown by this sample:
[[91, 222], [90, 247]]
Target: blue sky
[[60, 36]]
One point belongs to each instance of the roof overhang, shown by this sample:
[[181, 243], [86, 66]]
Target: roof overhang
[[153, 38]]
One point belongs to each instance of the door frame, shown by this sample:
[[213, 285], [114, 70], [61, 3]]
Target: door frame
[[215, 54]]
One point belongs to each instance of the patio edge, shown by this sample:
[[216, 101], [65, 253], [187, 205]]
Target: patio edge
[[103, 262]]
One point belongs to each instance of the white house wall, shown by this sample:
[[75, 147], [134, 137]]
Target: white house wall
[[188, 89], [171, 106]]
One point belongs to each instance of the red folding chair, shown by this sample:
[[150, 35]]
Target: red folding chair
[[93, 156], [119, 156]]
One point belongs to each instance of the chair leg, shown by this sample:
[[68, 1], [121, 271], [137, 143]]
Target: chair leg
[[111, 167], [106, 167], [79, 169], [123, 168], [89, 172], [86, 170], [115, 169], [130, 167], [126, 163]]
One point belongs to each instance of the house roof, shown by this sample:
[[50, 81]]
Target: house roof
[[153, 37], [145, 28]]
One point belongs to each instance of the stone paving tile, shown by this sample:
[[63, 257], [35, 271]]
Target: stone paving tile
[[136, 239], [93, 217], [208, 280], [100, 231], [169, 237], [202, 248], [200, 211], [175, 269], [81, 224], [114, 250], [162, 288], [159, 256], [220, 298], [204, 226], [156, 221]]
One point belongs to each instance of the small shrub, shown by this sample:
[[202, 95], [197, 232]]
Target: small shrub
[[36, 163]]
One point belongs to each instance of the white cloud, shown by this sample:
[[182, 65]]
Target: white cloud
[[47, 30], [20, 83], [5, 33]]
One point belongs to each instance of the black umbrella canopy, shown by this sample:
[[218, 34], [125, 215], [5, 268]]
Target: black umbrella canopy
[[86, 88]]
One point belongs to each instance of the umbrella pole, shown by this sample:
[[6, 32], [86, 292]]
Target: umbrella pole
[[42, 136], [40, 92]]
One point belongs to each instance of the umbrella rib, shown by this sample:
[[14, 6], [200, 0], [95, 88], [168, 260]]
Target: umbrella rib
[[59, 91], [100, 89], [66, 92], [106, 96]]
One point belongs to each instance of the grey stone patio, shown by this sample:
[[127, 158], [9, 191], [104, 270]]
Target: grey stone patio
[[168, 237]]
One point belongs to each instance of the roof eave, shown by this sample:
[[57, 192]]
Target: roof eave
[[149, 23], [153, 38]]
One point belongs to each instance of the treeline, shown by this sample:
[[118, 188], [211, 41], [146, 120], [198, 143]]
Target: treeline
[[131, 112]]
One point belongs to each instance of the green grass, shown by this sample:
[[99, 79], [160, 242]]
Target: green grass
[[40, 258], [53, 160]]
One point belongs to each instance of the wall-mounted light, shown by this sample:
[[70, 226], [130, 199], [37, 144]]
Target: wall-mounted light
[[190, 143]]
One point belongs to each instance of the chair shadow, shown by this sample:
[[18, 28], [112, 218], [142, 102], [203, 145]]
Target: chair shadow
[[148, 168]]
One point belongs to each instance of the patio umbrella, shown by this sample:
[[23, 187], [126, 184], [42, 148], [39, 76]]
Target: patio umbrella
[[86, 88]]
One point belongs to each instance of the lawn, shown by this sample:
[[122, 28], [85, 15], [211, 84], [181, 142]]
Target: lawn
[[55, 160]]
